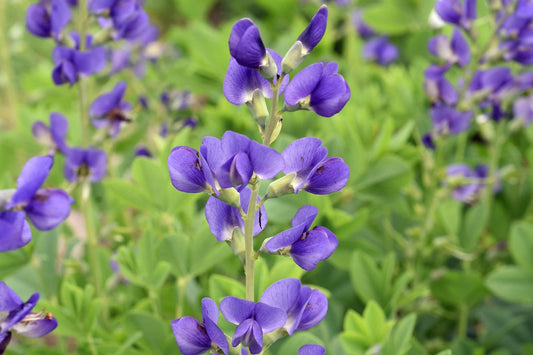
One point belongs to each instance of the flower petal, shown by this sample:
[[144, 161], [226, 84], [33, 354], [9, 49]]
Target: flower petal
[[303, 84], [31, 178], [222, 219], [331, 176], [236, 310], [269, 318], [185, 170], [48, 208], [282, 294], [190, 335]]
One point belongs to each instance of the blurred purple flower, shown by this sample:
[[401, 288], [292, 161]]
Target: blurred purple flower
[[457, 12], [142, 151], [111, 110], [16, 315], [438, 88], [364, 31], [304, 307], [194, 337], [466, 191], [455, 51], [48, 18], [223, 219], [311, 349], [380, 50], [69, 63], [307, 247], [314, 172], [447, 120], [319, 88], [85, 163], [52, 136], [253, 320]]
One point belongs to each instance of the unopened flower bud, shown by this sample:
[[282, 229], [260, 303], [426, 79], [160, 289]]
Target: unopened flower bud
[[295, 55], [281, 186], [258, 108], [230, 196], [269, 70]]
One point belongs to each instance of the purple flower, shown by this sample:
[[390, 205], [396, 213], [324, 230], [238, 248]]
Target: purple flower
[[69, 63], [447, 120], [16, 232], [85, 163], [194, 337], [380, 50], [304, 307], [438, 88], [189, 171], [16, 315], [306, 247], [47, 18], [253, 320], [241, 82], [365, 31], [523, 109], [467, 184], [54, 136], [129, 19], [319, 88], [235, 158], [314, 32], [454, 51], [224, 219], [311, 349], [306, 158], [142, 151], [111, 110], [457, 12], [495, 83], [246, 45], [45, 208]]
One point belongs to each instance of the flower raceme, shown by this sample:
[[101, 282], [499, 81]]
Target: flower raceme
[[48, 18], [16, 315]]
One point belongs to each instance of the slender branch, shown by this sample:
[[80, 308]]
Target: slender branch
[[273, 120], [82, 94], [9, 118], [249, 243]]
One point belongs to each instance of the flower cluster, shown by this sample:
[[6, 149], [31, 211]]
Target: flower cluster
[[231, 170], [487, 89], [378, 48]]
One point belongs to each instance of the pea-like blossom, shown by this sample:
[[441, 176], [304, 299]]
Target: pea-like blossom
[[320, 88], [224, 219], [246, 45], [128, 18], [314, 171], [252, 320], [304, 307], [111, 110], [52, 136], [45, 208], [314, 32], [306, 246], [448, 120], [48, 18], [194, 337], [241, 82], [457, 12], [16, 231], [235, 158], [452, 51], [85, 163], [17, 316], [311, 349], [467, 183], [380, 50], [69, 63], [523, 110], [438, 88]]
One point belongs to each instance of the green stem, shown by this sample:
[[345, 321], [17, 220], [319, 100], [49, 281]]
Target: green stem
[[9, 117], [92, 238], [153, 300], [181, 284], [273, 120], [463, 321], [249, 243], [90, 340], [82, 94]]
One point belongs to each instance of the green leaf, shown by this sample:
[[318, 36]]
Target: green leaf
[[459, 288], [473, 225], [511, 283], [521, 245], [398, 341], [376, 322], [449, 212], [155, 331], [391, 18], [129, 194], [385, 176]]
